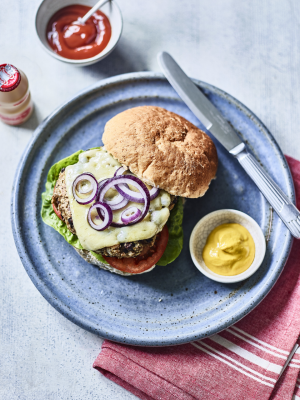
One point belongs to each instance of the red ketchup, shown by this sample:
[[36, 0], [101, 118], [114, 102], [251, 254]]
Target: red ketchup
[[77, 41]]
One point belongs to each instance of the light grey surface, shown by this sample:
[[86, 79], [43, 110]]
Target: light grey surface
[[249, 49]]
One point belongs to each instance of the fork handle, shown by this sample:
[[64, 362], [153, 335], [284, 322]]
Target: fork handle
[[285, 209]]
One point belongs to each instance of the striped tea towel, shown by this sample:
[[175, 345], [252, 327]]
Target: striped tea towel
[[244, 361]]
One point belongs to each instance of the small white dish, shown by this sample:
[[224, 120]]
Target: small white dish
[[49, 7], [204, 227]]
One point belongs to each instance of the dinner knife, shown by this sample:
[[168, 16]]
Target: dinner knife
[[214, 121]]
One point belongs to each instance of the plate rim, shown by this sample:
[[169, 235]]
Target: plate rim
[[71, 314]]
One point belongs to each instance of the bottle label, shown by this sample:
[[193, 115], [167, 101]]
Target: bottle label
[[17, 119]]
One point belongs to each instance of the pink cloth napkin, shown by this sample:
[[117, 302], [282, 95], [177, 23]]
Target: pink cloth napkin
[[242, 362]]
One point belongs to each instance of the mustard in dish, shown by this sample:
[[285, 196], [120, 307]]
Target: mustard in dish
[[229, 250]]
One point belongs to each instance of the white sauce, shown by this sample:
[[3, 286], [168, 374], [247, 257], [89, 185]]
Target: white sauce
[[102, 165]]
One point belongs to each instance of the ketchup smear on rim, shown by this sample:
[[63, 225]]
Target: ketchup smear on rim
[[78, 41]]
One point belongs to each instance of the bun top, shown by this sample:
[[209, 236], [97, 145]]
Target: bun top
[[163, 149]]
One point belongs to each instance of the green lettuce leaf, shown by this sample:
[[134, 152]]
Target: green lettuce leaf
[[47, 213], [174, 223], [175, 242]]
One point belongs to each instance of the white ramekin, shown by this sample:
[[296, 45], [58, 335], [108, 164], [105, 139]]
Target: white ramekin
[[204, 227]]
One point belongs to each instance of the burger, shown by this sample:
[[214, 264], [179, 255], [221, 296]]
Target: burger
[[121, 205]]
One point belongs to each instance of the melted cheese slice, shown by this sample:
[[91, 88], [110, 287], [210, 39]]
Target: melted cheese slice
[[102, 165]]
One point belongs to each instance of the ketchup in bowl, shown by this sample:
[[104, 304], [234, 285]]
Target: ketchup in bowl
[[77, 41]]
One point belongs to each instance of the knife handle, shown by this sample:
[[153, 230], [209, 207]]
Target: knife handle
[[285, 209]]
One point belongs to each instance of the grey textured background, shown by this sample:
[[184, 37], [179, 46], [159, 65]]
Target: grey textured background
[[247, 48]]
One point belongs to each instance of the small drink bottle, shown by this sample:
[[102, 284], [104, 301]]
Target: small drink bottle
[[15, 99]]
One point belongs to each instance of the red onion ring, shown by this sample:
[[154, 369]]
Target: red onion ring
[[130, 194], [85, 177], [122, 203], [116, 204], [108, 216], [130, 214], [100, 184], [134, 181], [120, 171], [81, 190]]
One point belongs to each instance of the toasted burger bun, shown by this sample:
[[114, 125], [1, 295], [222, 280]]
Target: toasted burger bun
[[87, 256], [163, 149]]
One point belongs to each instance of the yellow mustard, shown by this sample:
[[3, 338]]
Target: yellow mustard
[[229, 250]]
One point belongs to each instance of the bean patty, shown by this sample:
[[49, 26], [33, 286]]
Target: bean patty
[[60, 200]]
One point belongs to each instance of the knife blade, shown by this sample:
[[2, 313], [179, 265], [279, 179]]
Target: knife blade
[[214, 121]]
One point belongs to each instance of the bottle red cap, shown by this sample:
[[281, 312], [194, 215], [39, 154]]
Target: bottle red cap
[[10, 77]]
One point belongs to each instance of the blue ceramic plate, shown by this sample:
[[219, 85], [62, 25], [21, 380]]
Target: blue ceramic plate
[[173, 304]]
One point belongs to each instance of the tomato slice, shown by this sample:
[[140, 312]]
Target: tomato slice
[[57, 212], [138, 265]]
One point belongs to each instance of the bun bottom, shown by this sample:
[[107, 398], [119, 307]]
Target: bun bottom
[[88, 256]]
